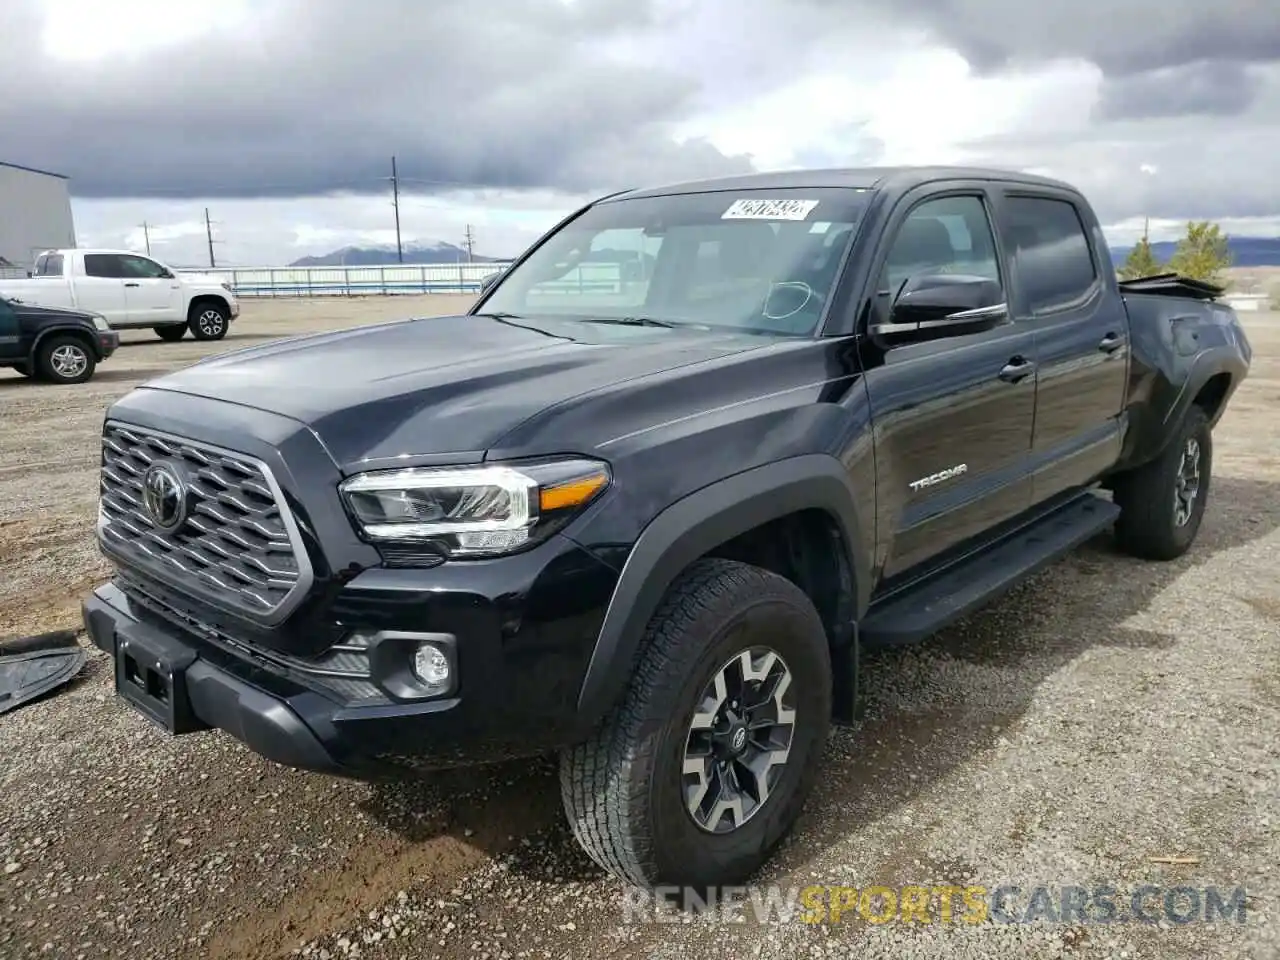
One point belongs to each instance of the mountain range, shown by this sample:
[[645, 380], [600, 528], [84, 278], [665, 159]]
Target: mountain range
[[385, 255], [1245, 251]]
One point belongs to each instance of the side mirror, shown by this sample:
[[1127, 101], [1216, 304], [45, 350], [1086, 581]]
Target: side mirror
[[489, 281], [932, 306]]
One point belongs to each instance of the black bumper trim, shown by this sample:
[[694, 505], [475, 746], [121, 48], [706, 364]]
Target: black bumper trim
[[263, 722]]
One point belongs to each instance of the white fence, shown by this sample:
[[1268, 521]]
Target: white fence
[[394, 278]]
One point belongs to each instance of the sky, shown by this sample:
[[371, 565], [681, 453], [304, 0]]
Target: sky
[[281, 116]]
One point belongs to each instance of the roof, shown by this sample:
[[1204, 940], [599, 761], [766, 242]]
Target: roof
[[849, 178], [43, 173]]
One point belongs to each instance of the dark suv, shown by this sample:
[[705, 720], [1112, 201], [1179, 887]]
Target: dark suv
[[648, 500], [51, 343]]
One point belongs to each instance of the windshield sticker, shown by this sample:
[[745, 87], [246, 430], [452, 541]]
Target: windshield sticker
[[769, 210], [820, 227]]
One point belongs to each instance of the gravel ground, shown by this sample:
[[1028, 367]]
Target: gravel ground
[[1107, 713]]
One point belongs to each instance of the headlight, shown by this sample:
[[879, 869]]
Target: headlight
[[471, 512], [100, 322]]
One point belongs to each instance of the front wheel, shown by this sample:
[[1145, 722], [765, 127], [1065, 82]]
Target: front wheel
[[705, 764], [1162, 502], [65, 360], [208, 321]]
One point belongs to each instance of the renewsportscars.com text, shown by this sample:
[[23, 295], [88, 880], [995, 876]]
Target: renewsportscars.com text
[[920, 904]]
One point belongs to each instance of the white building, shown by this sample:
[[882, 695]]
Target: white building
[[35, 214]]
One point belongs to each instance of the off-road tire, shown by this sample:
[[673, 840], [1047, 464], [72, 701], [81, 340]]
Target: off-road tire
[[622, 789], [208, 321], [50, 360], [171, 332], [1147, 527]]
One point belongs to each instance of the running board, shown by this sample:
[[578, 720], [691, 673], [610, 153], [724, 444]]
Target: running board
[[924, 608]]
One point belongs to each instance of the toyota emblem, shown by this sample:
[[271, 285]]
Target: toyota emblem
[[164, 495]]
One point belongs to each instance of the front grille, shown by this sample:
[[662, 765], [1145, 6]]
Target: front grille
[[237, 548]]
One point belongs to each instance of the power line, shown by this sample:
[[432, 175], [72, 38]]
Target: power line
[[208, 232], [395, 201]]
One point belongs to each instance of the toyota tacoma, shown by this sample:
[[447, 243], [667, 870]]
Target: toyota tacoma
[[648, 500]]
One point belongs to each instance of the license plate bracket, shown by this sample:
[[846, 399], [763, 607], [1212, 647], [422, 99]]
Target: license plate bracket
[[151, 675]]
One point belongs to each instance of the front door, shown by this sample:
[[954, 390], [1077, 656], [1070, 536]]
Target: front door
[[152, 294], [11, 344], [952, 417], [1081, 339]]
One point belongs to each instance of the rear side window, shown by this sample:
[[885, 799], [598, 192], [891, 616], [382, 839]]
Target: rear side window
[[49, 265], [103, 265], [1052, 252]]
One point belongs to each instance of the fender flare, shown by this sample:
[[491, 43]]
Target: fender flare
[[1207, 365], [690, 527], [74, 330], [221, 300]]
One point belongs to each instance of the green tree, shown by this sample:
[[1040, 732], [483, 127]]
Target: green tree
[[1141, 262], [1202, 254]]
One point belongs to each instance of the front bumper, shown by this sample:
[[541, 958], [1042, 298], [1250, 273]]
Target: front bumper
[[521, 632], [108, 343], [202, 693]]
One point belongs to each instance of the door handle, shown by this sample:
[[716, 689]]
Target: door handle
[[1016, 369], [131, 284], [1110, 343]]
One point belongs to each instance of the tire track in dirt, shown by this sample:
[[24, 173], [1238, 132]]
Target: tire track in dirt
[[431, 862]]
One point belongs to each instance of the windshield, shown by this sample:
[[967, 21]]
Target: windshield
[[756, 260]]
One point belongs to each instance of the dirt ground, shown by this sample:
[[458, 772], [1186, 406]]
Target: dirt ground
[[1104, 714]]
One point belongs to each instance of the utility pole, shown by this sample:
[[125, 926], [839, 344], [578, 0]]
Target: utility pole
[[469, 243], [208, 232], [395, 202], [146, 236]]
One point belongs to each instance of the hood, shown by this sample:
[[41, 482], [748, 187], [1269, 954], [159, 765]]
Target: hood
[[51, 313], [442, 384], [202, 279]]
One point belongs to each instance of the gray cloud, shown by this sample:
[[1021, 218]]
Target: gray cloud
[[1132, 36], [318, 99], [1206, 88]]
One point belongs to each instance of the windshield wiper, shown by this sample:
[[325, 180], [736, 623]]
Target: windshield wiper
[[634, 321]]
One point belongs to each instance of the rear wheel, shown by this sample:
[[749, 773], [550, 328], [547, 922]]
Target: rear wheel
[[171, 332], [65, 360], [1162, 502], [208, 321], [703, 768]]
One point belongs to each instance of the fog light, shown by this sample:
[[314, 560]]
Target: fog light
[[431, 665]]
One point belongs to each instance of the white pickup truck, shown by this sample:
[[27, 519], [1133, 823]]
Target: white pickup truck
[[129, 290]]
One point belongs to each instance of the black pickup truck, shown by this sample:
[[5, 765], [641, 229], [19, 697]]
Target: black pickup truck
[[647, 512], [53, 344]]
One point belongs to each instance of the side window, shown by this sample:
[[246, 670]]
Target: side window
[[49, 265], [1052, 252], [103, 265], [141, 267], [947, 235]]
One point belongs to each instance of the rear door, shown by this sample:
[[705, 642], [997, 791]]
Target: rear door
[[100, 287], [1066, 295], [953, 417], [152, 294]]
